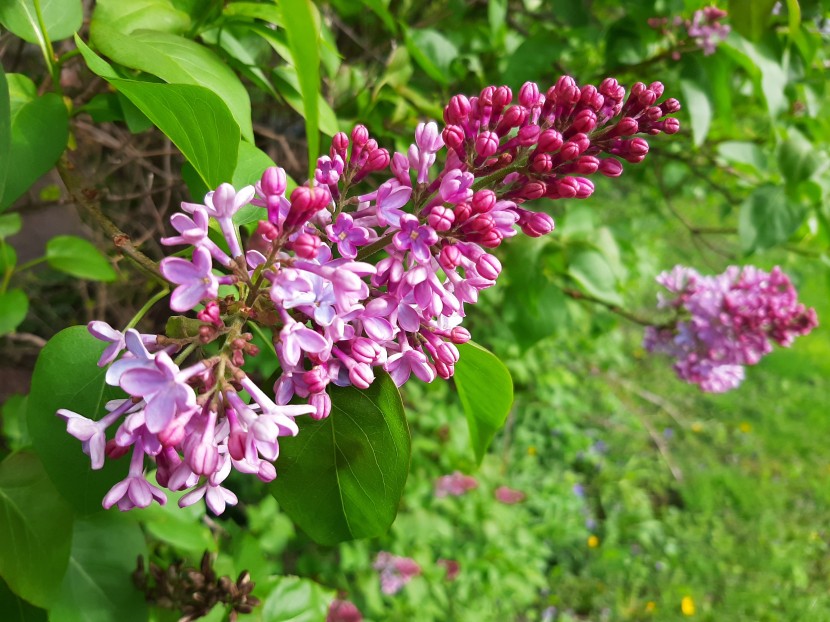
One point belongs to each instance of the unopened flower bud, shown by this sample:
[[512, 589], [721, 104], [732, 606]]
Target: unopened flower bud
[[322, 404], [457, 110], [585, 121], [378, 160], [585, 188], [203, 458], [360, 135], [671, 126], [487, 143], [441, 218], [462, 212], [317, 378], [537, 224], [483, 201], [586, 165], [486, 96], [541, 163], [306, 245], [670, 106], [502, 97], [361, 375], [657, 88], [533, 190], [549, 141], [491, 238], [339, 145], [273, 181], [528, 135], [512, 117], [488, 266], [610, 167], [449, 257], [566, 187], [460, 335], [453, 136], [529, 95]]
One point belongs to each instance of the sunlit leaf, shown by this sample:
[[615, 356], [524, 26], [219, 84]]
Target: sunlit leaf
[[78, 257]]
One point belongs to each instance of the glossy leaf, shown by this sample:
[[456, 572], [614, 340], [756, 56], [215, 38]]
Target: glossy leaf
[[5, 129], [14, 305], [177, 60], [78, 257], [593, 272], [342, 478], [182, 528], [767, 218], [267, 12], [98, 580], [39, 132], [695, 86], [129, 15], [195, 119], [486, 391], [432, 51], [287, 83], [36, 530], [296, 600], [750, 17], [797, 158], [62, 18], [250, 165], [301, 26], [10, 224], [67, 376], [15, 609]]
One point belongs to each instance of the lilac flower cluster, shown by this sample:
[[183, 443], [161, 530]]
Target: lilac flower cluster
[[726, 322], [454, 485], [336, 318], [705, 28], [395, 572]]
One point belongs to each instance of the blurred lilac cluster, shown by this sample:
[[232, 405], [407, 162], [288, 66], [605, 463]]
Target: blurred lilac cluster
[[705, 28], [395, 572], [454, 485], [348, 274], [726, 322]]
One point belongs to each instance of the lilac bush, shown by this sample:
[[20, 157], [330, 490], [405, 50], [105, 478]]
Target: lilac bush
[[350, 274], [726, 322]]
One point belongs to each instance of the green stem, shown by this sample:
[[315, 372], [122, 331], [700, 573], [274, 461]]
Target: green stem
[[374, 247], [628, 315], [30, 264], [143, 311], [48, 50], [186, 352]]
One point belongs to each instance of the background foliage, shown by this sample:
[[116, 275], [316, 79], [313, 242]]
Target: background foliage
[[642, 496]]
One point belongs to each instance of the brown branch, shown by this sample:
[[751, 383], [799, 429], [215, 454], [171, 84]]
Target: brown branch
[[630, 316], [88, 203]]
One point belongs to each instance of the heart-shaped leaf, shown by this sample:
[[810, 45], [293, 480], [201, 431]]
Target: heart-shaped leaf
[[67, 376], [342, 478], [486, 391], [78, 257]]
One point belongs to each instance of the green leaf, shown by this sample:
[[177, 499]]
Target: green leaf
[[744, 153], [177, 60], [39, 132], [592, 271], [625, 43], [62, 18], [268, 13], [300, 19], [532, 60], [98, 581], [129, 15], [104, 107], [36, 530], [8, 259], [432, 51], [794, 17], [182, 528], [250, 164], [13, 421], [287, 83], [381, 9], [486, 391], [5, 130], [342, 478], [15, 609], [697, 100], [10, 224], [14, 305], [767, 219], [797, 158], [750, 17], [766, 70], [195, 119], [297, 600], [67, 376], [78, 257]]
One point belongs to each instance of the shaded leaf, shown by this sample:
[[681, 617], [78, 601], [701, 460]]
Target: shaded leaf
[[78, 257], [486, 391], [14, 305], [297, 600], [10, 224], [797, 158], [342, 478], [67, 376], [767, 218], [36, 530], [98, 584], [15, 609], [750, 17], [432, 51], [5, 130], [592, 271]]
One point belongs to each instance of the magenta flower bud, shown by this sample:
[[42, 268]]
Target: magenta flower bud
[[512, 117], [670, 106], [457, 110], [316, 378], [486, 96], [610, 167], [638, 147], [305, 202], [114, 451], [489, 267], [483, 201], [586, 165], [236, 444], [537, 224], [653, 114], [581, 141], [441, 218], [566, 187], [480, 223], [360, 135], [361, 375], [646, 98], [443, 370], [533, 190], [365, 350], [460, 335], [203, 458], [671, 126], [528, 135], [462, 212], [529, 95], [585, 188], [637, 89], [378, 160], [585, 121], [174, 433], [446, 353], [453, 136], [549, 141], [487, 143], [591, 98], [322, 405], [449, 257], [657, 88], [491, 239], [307, 245], [273, 181], [267, 230], [339, 145], [570, 151], [541, 163], [502, 97]]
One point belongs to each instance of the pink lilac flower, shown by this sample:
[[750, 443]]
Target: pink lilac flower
[[455, 484], [509, 496], [343, 611], [452, 567], [364, 270], [395, 572], [726, 322]]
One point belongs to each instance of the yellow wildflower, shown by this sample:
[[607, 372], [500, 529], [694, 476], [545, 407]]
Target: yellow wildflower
[[687, 606], [745, 427], [531, 451], [651, 606], [697, 427], [593, 542]]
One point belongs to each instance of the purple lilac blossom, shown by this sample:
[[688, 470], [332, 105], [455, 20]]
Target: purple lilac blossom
[[338, 313], [726, 322], [395, 572]]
